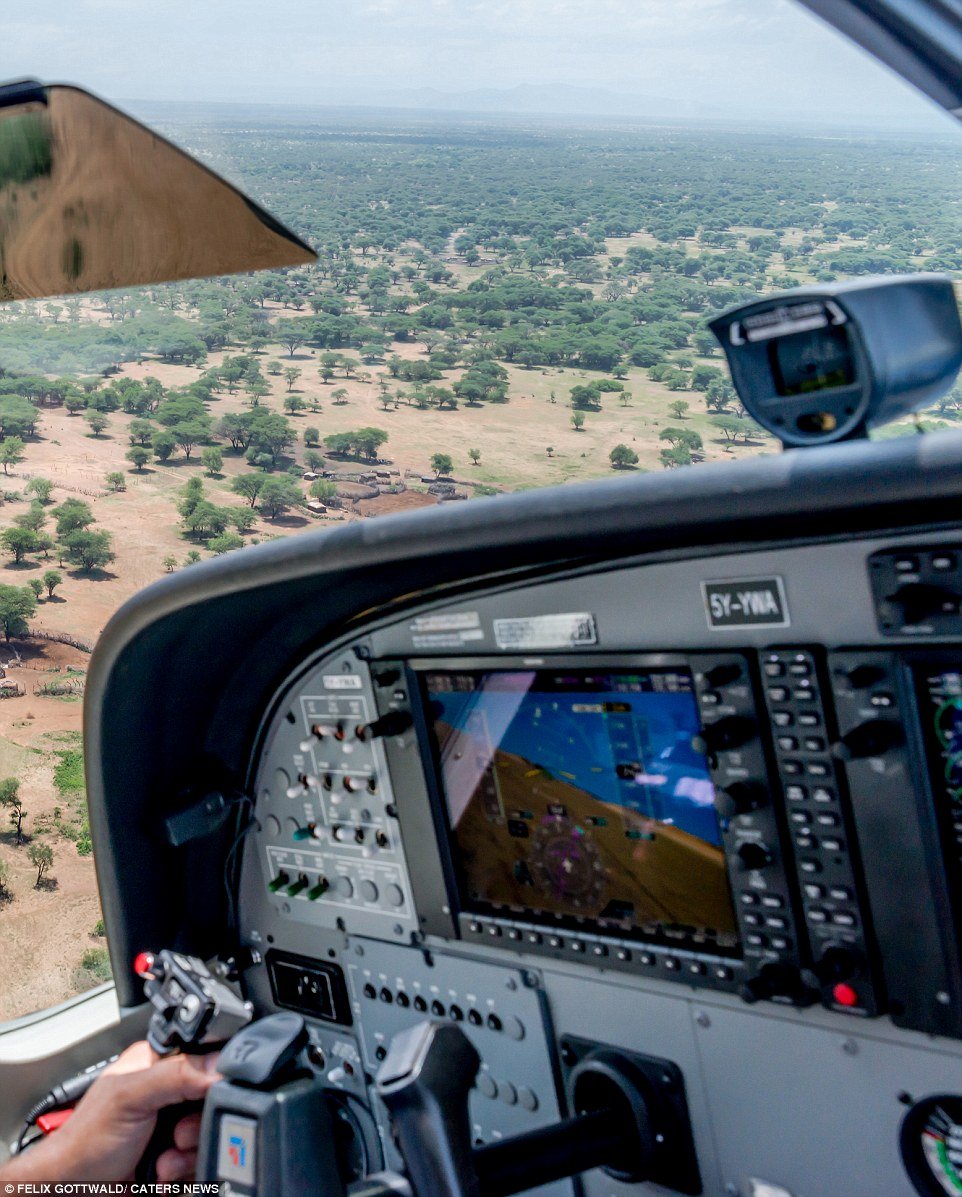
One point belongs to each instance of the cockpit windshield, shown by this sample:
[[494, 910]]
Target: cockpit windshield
[[524, 215]]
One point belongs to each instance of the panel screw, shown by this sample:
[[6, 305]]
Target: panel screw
[[850, 1047], [702, 1019], [942, 998]]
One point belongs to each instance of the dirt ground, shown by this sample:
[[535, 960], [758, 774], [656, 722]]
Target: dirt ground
[[45, 932]]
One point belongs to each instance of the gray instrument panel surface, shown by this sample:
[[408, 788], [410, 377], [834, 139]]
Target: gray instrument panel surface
[[515, 1089], [662, 606], [802, 1099]]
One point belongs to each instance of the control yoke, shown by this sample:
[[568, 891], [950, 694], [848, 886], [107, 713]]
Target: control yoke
[[425, 1080], [266, 1127]]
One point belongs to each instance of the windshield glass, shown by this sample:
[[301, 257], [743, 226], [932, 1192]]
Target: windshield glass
[[524, 215]]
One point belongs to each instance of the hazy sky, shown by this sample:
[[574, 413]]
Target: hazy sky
[[761, 57]]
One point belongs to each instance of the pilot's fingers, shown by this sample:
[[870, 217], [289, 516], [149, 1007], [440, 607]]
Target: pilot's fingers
[[174, 1165], [169, 1082], [187, 1132], [132, 1059]]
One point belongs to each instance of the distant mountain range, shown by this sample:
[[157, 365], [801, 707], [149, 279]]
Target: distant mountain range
[[526, 98], [551, 101]]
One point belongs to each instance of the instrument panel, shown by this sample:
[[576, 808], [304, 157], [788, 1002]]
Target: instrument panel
[[690, 808]]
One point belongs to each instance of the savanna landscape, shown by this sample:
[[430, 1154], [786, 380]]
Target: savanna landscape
[[495, 306]]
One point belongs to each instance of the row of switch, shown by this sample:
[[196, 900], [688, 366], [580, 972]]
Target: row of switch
[[394, 723], [621, 953], [504, 1091], [353, 784], [514, 1027], [340, 833], [343, 887]]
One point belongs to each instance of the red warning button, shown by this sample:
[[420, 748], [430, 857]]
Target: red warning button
[[844, 994]]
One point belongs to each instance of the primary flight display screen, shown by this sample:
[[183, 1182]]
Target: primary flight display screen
[[578, 798]]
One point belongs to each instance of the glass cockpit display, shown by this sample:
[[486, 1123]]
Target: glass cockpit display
[[580, 798]]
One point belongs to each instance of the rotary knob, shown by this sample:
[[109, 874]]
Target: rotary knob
[[860, 677], [730, 732], [723, 674], [739, 798], [774, 981], [754, 855], [875, 737]]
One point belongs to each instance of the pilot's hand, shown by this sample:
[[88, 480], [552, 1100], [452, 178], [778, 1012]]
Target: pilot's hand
[[108, 1132]]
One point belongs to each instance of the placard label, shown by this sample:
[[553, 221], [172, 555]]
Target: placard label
[[746, 603]]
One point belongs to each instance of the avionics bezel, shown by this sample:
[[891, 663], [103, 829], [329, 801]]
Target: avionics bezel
[[563, 934]]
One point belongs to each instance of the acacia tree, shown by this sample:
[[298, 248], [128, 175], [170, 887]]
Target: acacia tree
[[10, 798], [277, 495], [441, 463], [40, 856], [51, 579], [98, 422], [621, 456], [249, 485], [17, 605], [18, 542], [11, 452], [89, 549], [40, 488]]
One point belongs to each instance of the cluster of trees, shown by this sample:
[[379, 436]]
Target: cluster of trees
[[74, 541], [39, 853], [363, 442], [221, 528], [547, 292]]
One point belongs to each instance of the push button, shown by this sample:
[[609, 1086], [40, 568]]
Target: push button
[[844, 994]]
